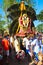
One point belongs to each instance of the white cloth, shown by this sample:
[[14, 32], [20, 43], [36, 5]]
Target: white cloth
[[16, 45], [35, 43], [42, 48], [26, 42], [11, 39], [36, 49]]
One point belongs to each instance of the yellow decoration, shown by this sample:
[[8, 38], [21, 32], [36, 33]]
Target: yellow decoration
[[22, 7], [17, 29], [25, 20]]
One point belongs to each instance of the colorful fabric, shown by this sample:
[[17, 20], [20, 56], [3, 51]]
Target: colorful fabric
[[5, 44]]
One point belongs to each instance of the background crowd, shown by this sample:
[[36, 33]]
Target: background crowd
[[30, 44]]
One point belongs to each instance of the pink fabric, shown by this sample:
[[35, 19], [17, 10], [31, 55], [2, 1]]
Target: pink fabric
[[21, 31], [20, 21]]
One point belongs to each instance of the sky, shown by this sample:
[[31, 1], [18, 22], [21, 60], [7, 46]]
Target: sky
[[39, 7]]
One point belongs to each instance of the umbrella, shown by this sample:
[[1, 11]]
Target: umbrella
[[15, 10]]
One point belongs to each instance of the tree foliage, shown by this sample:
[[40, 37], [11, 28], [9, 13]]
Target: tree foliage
[[7, 3], [40, 16], [40, 27], [2, 23]]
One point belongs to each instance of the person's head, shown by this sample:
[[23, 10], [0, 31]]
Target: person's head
[[5, 35]]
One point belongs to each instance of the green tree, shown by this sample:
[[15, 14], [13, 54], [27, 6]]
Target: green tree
[[0, 17], [40, 27], [7, 4], [2, 24], [40, 16]]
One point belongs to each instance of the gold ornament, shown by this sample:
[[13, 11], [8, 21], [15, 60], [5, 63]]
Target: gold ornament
[[22, 7]]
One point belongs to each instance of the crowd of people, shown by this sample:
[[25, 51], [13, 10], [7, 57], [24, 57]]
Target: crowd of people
[[29, 46]]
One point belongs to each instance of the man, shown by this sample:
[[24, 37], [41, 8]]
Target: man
[[5, 44], [37, 44], [27, 45], [36, 47]]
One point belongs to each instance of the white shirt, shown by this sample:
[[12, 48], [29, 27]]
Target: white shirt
[[36, 47], [26, 43], [34, 42]]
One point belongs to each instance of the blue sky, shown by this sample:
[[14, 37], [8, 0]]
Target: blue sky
[[39, 7]]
